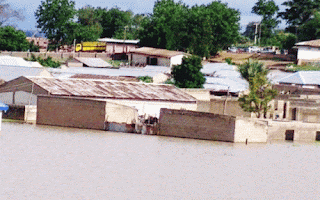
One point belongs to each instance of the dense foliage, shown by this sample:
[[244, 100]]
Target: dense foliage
[[188, 75], [310, 30], [55, 19], [12, 39], [146, 79], [298, 12], [46, 62], [261, 92], [202, 30], [62, 23]]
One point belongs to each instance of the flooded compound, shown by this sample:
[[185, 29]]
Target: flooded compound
[[48, 162]]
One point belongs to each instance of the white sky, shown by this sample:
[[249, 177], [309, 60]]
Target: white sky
[[28, 7]]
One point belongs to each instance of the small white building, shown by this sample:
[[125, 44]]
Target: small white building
[[308, 51], [3, 107], [152, 56]]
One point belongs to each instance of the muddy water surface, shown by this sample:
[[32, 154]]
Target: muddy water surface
[[46, 162]]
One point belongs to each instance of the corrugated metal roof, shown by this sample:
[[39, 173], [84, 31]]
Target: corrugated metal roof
[[93, 76], [93, 62], [157, 52], [16, 61], [111, 40], [225, 83], [223, 77], [275, 75], [123, 71], [112, 89], [302, 78], [8, 73], [311, 43]]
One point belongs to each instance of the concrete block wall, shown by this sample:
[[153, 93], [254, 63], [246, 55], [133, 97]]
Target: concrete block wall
[[121, 114], [71, 112], [232, 107], [200, 125], [19, 54], [250, 130], [56, 55], [197, 125]]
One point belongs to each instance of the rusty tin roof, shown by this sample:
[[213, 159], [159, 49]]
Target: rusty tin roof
[[111, 89], [157, 52]]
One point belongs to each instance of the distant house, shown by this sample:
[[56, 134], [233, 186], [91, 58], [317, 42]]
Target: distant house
[[152, 56], [308, 51], [42, 43], [302, 82], [88, 62], [119, 48]]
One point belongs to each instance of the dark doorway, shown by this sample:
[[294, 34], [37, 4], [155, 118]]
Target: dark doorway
[[318, 136], [294, 114], [284, 110], [289, 135], [154, 61]]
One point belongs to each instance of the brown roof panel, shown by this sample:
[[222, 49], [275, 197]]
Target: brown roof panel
[[311, 43], [112, 89], [157, 52]]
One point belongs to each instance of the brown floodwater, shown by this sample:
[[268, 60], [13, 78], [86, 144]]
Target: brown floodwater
[[47, 162]]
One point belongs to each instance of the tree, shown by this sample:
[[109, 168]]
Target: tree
[[12, 39], [114, 21], [261, 93], [284, 40], [7, 13], [298, 12], [55, 19], [267, 9], [188, 75], [46, 62], [88, 27], [310, 30], [212, 27], [202, 30]]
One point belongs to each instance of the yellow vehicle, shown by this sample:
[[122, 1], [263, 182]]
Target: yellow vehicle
[[91, 46]]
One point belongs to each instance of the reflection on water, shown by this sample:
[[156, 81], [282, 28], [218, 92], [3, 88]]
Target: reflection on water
[[46, 162]]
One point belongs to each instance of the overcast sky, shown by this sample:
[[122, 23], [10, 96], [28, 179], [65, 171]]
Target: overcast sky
[[28, 7]]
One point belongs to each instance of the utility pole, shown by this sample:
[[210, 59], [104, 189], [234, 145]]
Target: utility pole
[[256, 32], [260, 34]]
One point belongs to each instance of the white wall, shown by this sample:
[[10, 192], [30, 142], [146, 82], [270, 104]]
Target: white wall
[[152, 108], [176, 60], [142, 59], [308, 53]]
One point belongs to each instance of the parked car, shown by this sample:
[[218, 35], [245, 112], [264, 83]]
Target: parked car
[[233, 49], [267, 50], [253, 49]]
